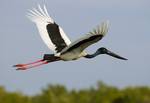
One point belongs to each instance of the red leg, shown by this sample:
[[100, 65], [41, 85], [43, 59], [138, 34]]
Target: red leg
[[20, 65], [31, 65], [47, 59]]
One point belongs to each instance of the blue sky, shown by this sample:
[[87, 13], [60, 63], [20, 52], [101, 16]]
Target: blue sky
[[129, 36]]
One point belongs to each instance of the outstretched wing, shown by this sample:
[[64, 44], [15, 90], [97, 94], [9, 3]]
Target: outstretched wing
[[91, 38], [51, 33]]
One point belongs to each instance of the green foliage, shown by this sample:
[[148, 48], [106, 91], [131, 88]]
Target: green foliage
[[101, 94]]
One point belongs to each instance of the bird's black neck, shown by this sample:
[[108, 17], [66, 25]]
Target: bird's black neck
[[92, 55]]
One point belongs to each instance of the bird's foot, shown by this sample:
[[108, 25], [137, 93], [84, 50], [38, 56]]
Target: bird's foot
[[20, 66]]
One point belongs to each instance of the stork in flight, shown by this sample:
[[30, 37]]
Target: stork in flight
[[56, 40]]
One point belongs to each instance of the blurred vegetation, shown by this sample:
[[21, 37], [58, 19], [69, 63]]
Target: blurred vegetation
[[100, 94]]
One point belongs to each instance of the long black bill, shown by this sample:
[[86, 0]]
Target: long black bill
[[114, 55]]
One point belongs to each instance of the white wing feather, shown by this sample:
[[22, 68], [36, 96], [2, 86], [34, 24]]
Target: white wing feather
[[41, 18]]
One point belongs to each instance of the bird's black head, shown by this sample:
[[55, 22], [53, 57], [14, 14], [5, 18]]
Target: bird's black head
[[103, 50]]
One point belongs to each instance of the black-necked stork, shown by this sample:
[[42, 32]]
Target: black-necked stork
[[56, 40]]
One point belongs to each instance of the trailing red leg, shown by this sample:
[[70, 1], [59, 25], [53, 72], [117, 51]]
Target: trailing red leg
[[25, 67]]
